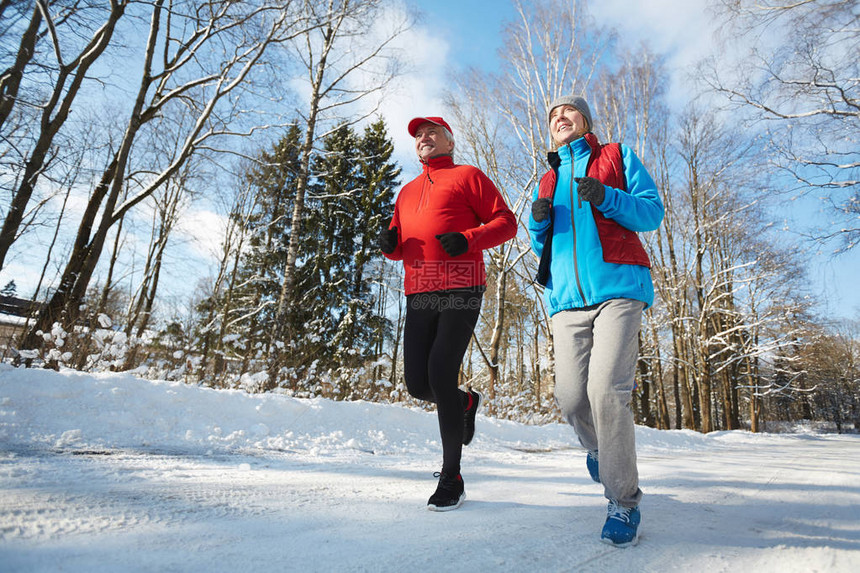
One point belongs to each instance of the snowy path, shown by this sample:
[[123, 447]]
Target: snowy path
[[76, 494]]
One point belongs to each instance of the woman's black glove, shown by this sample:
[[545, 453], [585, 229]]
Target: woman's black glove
[[454, 243], [590, 189], [387, 240], [541, 208]]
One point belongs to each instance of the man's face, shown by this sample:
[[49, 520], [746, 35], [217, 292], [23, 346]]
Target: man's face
[[430, 141], [567, 124]]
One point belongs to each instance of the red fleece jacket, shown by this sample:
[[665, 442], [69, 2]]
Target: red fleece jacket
[[448, 198]]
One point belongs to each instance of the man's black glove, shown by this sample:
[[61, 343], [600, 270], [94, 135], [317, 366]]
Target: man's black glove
[[590, 189], [541, 208], [387, 240], [454, 243]]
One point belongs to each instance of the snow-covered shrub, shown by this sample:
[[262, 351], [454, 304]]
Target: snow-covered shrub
[[253, 383]]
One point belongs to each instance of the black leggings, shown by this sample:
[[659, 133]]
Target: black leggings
[[438, 328]]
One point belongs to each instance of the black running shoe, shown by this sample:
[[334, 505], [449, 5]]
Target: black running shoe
[[450, 493], [475, 399]]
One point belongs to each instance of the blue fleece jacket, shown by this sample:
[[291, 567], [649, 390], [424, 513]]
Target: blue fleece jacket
[[579, 276]]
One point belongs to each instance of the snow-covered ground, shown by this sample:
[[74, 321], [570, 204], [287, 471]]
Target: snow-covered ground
[[112, 473]]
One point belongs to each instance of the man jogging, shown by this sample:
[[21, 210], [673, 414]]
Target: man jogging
[[443, 221]]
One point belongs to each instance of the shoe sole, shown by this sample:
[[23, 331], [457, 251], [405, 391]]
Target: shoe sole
[[634, 541], [431, 507]]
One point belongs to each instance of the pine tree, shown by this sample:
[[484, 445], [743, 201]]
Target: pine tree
[[11, 289], [351, 200], [379, 177], [252, 317], [329, 233], [333, 322]]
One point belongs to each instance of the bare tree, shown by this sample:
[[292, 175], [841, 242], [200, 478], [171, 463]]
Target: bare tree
[[168, 208], [70, 76], [799, 77], [220, 307], [194, 73], [10, 79], [29, 32], [724, 283], [831, 362]]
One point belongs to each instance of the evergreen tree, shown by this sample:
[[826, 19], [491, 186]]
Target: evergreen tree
[[326, 264], [11, 289], [351, 199], [379, 177], [252, 316], [332, 314]]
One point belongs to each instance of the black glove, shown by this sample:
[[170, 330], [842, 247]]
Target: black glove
[[590, 189], [541, 208], [454, 243], [387, 240]]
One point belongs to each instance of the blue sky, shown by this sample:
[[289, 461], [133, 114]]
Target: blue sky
[[471, 29]]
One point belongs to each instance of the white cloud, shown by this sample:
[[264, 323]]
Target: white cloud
[[667, 25], [204, 230], [417, 91], [683, 31]]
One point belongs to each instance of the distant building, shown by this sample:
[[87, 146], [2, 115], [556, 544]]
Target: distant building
[[14, 312]]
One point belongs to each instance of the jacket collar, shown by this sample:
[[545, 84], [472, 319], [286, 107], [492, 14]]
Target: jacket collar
[[438, 162], [574, 150]]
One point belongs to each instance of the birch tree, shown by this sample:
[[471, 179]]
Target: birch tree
[[799, 78], [724, 280]]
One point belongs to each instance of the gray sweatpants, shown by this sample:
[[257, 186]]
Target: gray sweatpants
[[596, 349]]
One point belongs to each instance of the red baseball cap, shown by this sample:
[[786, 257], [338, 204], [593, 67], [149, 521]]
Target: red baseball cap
[[416, 123]]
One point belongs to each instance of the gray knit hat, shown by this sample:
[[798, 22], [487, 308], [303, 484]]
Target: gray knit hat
[[576, 102]]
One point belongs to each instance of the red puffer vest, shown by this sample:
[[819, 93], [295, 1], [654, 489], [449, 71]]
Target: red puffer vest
[[620, 245]]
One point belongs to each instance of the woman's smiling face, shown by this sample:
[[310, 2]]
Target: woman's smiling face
[[566, 124]]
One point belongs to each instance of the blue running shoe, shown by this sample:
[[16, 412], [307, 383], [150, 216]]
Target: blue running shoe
[[622, 525], [591, 464]]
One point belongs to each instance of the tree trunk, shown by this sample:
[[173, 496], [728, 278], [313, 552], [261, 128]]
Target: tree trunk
[[10, 79], [646, 380], [498, 329], [51, 123], [281, 333]]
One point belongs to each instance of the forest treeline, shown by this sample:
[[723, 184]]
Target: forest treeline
[[118, 119]]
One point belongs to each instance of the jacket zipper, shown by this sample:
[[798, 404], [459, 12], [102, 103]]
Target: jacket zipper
[[573, 230], [424, 199]]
